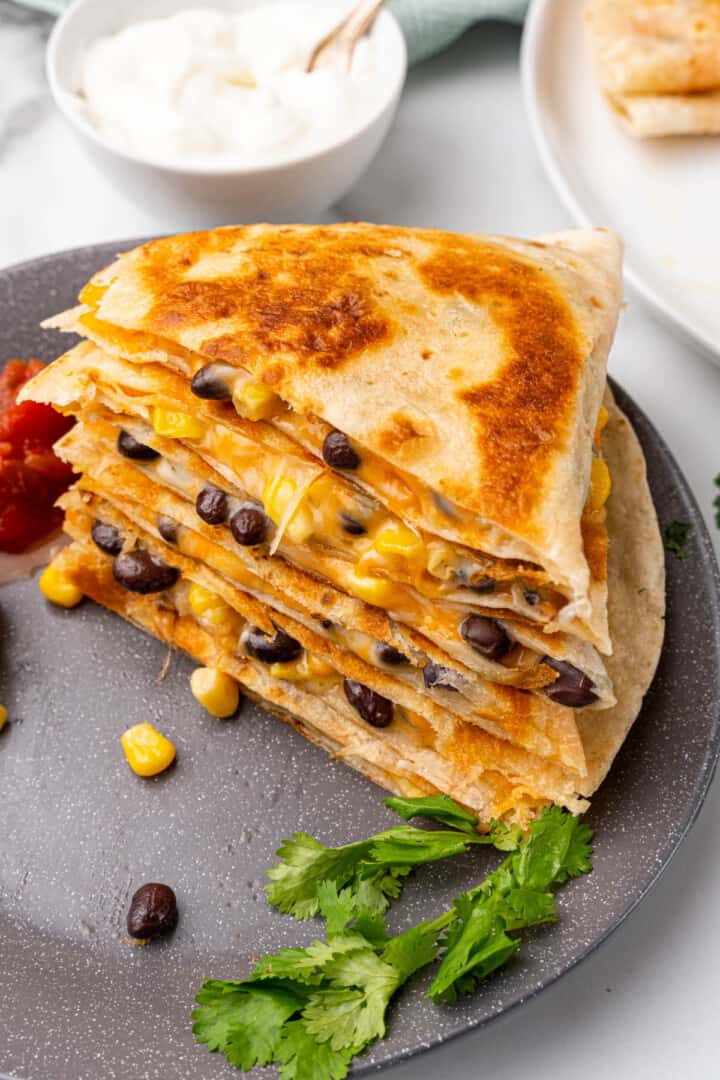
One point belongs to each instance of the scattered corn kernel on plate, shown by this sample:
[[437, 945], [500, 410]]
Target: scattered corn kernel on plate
[[112, 775]]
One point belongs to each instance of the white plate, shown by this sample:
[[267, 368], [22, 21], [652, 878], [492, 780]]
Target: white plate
[[661, 195]]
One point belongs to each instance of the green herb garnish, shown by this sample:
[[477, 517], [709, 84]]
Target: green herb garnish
[[311, 1010], [675, 537]]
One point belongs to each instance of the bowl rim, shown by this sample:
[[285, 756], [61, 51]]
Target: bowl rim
[[386, 22]]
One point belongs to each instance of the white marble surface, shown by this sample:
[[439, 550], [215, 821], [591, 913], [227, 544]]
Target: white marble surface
[[460, 156]]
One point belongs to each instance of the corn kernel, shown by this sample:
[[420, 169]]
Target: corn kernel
[[374, 590], [147, 751], [58, 589], [603, 417], [202, 601], [600, 483], [293, 670], [319, 668], [216, 691], [255, 401], [397, 539], [277, 496], [3, 716], [177, 425], [306, 667]]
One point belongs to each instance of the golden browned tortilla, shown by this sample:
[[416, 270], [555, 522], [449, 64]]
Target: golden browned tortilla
[[465, 376], [658, 62], [474, 366]]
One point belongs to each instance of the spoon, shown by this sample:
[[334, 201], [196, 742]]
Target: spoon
[[336, 48]]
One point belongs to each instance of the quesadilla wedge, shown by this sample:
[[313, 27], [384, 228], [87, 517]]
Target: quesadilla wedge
[[368, 473], [467, 372], [658, 62]]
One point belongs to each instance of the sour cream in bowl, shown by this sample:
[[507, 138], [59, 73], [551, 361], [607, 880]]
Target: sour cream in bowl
[[208, 105]]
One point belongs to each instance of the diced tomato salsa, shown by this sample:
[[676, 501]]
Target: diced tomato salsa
[[31, 476]]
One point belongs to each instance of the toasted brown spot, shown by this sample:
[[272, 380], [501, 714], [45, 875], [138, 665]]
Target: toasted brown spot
[[522, 414], [426, 354], [308, 300], [400, 431]]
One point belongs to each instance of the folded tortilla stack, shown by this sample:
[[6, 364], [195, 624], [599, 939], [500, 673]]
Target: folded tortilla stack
[[658, 62], [376, 476]]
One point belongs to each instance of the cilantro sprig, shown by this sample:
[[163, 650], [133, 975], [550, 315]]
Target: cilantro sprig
[[374, 869], [311, 1010]]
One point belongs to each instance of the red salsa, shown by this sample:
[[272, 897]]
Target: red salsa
[[31, 476]]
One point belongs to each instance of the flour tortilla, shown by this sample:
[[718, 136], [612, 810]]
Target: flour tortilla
[[636, 575], [659, 63], [474, 364], [486, 782]]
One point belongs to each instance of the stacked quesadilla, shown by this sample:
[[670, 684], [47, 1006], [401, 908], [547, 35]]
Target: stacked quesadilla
[[375, 475], [658, 62]]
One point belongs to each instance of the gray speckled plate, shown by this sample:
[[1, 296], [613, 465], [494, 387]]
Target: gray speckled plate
[[79, 832]]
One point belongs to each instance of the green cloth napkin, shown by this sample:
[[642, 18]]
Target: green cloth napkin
[[428, 25]]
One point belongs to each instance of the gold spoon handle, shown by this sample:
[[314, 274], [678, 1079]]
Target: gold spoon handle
[[337, 48]]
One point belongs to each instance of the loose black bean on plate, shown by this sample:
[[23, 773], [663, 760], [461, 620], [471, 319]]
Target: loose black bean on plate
[[435, 675], [280, 649], [375, 709], [338, 453], [486, 636], [572, 686], [213, 382], [140, 572], [249, 525], [212, 505], [129, 447], [107, 538], [153, 911]]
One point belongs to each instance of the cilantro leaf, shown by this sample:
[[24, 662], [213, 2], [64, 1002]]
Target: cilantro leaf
[[373, 869], [305, 864], [675, 537], [302, 1057], [513, 897], [438, 807], [312, 1009], [242, 1020]]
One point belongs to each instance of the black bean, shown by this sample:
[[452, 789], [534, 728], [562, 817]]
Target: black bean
[[443, 505], [486, 636], [136, 451], [338, 452], [212, 505], [327, 624], [107, 538], [140, 572], [532, 597], [213, 382], [375, 709], [483, 586], [153, 911], [168, 529], [351, 525], [249, 525], [386, 654], [572, 686], [280, 649], [437, 675]]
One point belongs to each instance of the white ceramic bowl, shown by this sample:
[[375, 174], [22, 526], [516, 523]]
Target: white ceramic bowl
[[296, 188]]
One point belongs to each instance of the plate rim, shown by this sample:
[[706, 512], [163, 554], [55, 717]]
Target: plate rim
[[531, 55], [712, 745]]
